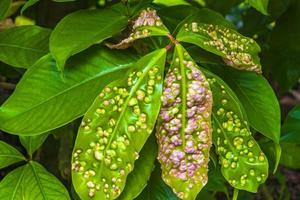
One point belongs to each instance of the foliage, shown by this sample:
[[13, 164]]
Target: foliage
[[118, 84]]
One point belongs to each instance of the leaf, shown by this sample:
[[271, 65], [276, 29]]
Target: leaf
[[243, 164], [37, 106], [28, 4], [184, 129], [32, 143], [157, 189], [290, 155], [138, 178], [223, 7], [81, 29], [115, 129], [236, 50], [15, 7], [272, 151], [23, 46], [258, 99], [216, 182], [148, 24], [291, 127], [283, 56], [4, 8], [260, 5], [9, 155], [172, 16], [178, 2], [32, 181]]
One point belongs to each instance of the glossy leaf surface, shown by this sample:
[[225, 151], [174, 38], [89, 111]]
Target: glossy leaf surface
[[32, 181], [147, 24], [236, 50], [23, 46], [36, 106], [9, 155], [115, 129], [259, 101], [184, 127], [80, 30], [143, 167], [243, 164]]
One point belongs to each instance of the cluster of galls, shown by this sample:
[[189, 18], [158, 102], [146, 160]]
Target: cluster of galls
[[230, 44], [238, 151], [184, 131], [141, 28], [119, 118]]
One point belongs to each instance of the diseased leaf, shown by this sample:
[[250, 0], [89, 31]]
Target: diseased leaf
[[9, 155], [32, 181], [80, 30], [146, 25], [4, 8], [23, 46], [236, 50], [36, 106], [260, 5], [143, 167], [258, 99], [291, 127], [243, 164], [32, 143], [184, 128], [115, 129]]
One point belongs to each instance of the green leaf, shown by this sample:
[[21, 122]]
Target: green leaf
[[37, 106], [157, 189], [15, 7], [291, 127], [9, 155], [23, 46], [223, 7], [83, 28], [172, 16], [178, 2], [216, 182], [138, 178], [4, 8], [236, 50], [243, 164], [290, 155], [28, 4], [283, 56], [186, 111], [147, 24], [272, 151], [115, 129], [258, 99], [260, 5], [32, 143], [32, 181]]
